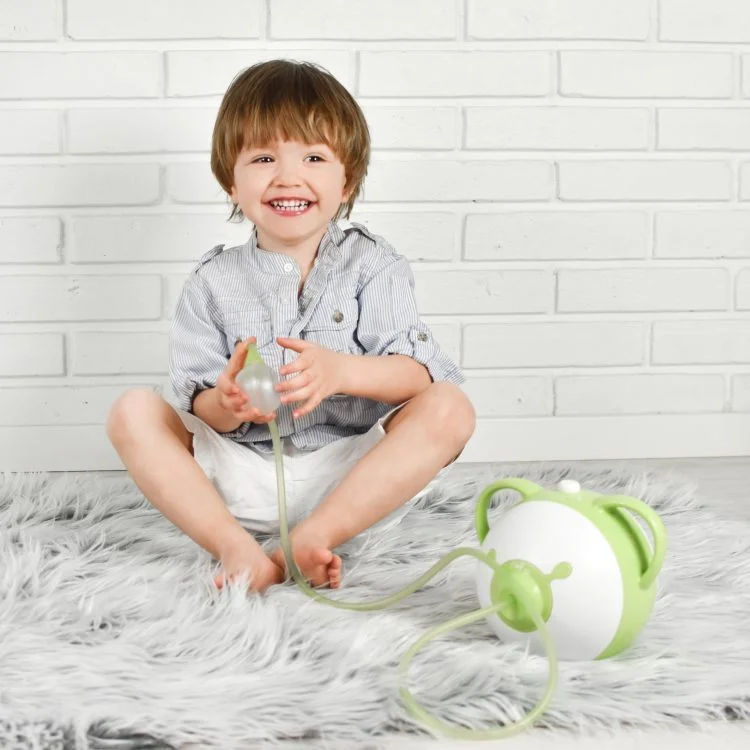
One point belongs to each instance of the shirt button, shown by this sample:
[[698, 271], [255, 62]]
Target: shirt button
[[337, 316], [288, 267], [422, 336]]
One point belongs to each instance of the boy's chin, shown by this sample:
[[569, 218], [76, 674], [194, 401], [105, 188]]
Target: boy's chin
[[291, 231]]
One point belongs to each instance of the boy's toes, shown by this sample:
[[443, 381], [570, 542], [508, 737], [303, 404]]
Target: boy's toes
[[313, 563], [334, 572]]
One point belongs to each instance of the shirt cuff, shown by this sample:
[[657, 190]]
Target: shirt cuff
[[421, 346]]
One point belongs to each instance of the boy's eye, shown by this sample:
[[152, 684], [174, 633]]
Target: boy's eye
[[315, 157], [262, 160]]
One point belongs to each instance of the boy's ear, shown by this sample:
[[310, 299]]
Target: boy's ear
[[233, 194]]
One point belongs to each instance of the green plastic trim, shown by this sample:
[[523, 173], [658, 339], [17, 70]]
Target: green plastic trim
[[523, 486]]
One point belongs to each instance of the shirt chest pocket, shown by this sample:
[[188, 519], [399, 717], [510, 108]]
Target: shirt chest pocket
[[333, 324], [241, 324]]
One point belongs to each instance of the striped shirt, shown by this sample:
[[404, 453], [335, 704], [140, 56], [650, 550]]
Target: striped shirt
[[358, 299]]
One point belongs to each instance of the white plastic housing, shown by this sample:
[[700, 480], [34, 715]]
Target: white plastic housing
[[587, 607]]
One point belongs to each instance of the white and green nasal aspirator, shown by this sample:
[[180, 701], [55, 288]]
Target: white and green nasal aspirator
[[568, 572]]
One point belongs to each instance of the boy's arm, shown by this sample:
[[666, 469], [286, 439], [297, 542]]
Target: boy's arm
[[198, 354], [402, 355], [391, 379]]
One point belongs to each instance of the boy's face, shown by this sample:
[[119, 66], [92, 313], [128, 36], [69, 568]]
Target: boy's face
[[289, 190]]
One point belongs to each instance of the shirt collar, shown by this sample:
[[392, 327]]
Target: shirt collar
[[329, 250]]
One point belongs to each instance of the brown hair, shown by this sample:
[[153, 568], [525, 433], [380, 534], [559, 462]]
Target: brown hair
[[292, 101]]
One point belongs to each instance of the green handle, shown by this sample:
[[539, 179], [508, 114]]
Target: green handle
[[655, 524], [522, 486]]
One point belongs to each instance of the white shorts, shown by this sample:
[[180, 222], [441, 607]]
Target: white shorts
[[246, 478]]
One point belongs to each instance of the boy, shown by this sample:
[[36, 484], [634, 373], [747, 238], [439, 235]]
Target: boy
[[371, 410]]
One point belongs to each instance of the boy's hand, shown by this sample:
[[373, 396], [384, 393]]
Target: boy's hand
[[231, 397], [317, 374]]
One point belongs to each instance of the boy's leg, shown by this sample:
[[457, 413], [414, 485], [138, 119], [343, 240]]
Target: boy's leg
[[156, 448], [425, 435]]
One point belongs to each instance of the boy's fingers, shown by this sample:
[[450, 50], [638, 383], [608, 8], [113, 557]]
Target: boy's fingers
[[237, 360], [297, 345]]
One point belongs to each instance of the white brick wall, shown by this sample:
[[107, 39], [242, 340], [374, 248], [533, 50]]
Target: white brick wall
[[570, 178]]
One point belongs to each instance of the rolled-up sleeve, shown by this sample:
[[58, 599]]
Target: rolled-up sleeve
[[198, 351], [389, 321]]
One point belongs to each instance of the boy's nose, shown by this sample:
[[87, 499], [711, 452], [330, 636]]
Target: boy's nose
[[286, 177]]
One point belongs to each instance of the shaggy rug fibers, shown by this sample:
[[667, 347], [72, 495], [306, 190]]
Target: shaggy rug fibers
[[112, 636]]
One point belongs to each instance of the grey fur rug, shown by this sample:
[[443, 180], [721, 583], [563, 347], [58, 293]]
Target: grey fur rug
[[112, 636]]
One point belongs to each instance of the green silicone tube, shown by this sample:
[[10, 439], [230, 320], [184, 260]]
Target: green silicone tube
[[515, 583]]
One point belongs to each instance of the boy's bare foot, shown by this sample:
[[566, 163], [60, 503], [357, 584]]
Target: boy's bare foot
[[316, 562], [246, 560]]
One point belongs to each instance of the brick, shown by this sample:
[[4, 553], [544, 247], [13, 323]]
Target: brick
[[474, 73], [645, 180], [646, 74], [714, 129], [699, 342], [741, 393], [30, 240], [509, 396], [548, 128], [29, 131], [418, 236], [79, 185], [477, 292], [558, 19], [609, 438], [31, 355], [361, 19], [85, 75], [133, 239], [57, 405], [209, 72], [193, 182], [745, 182], [552, 344], [643, 290], [746, 75], [157, 19], [704, 21], [742, 293], [471, 180], [556, 235], [639, 394], [57, 448], [448, 336], [119, 353], [702, 234], [22, 21], [68, 298], [419, 128], [145, 130]]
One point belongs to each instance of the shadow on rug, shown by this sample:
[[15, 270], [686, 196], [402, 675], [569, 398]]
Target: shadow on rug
[[112, 635]]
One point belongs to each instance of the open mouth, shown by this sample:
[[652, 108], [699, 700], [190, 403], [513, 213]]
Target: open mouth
[[290, 206]]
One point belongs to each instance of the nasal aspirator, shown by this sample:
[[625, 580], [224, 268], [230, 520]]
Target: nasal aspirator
[[567, 572]]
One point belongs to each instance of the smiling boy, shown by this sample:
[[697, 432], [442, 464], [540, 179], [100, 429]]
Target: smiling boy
[[371, 409]]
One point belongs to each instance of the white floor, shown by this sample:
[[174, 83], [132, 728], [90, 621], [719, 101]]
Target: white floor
[[725, 483]]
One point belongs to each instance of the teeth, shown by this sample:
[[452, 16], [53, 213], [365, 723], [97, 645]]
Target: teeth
[[290, 204]]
